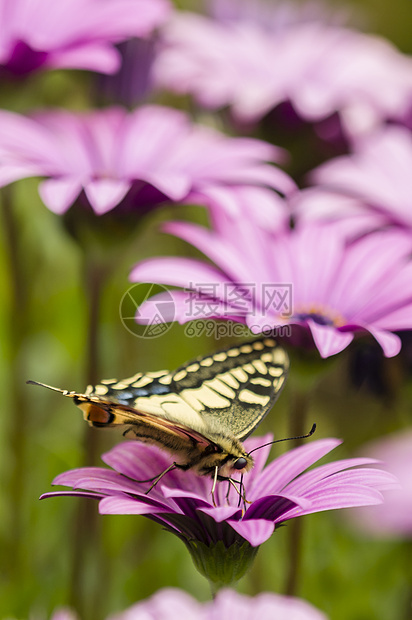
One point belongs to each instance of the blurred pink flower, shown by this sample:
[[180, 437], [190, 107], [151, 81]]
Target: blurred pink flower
[[138, 159], [75, 34], [181, 502], [316, 205], [254, 59], [377, 175], [308, 277], [64, 613], [394, 517], [174, 604]]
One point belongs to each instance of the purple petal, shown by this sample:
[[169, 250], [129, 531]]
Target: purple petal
[[286, 467], [260, 456], [390, 343], [336, 497], [186, 502], [183, 272], [137, 460], [329, 341], [72, 476], [14, 172], [228, 604], [370, 476], [255, 531], [209, 243], [167, 603], [272, 507], [91, 56], [175, 185], [70, 494], [105, 194], [221, 513], [123, 505], [59, 194]]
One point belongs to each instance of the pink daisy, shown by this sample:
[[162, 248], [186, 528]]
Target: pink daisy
[[254, 58], [75, 34], [309, 277], [134, 159]]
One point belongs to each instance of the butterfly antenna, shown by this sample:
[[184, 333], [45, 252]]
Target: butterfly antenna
[[50, 387], [270, 443]]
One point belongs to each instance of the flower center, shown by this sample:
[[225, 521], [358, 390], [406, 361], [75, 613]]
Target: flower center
[[320, 315]]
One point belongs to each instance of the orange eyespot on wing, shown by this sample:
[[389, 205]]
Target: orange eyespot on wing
[[98, 416]]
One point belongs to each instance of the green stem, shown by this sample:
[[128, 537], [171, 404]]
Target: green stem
[[298, 424], [87, 548], [407, 557], [19, 408]]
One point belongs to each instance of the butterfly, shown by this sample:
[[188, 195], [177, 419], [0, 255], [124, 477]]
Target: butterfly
[[201, 413]]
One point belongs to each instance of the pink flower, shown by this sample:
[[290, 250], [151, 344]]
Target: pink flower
[[316, 205], [135, 159], [394, 517], [309, 277], [181, 502], [253, 59], [64, 613], [76, 34], [173, 604], [377, 175]]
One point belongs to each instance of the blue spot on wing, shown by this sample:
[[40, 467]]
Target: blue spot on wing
[[157, 388]]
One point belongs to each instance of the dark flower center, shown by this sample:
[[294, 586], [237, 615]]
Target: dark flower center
[[319, 314], [320, 319]]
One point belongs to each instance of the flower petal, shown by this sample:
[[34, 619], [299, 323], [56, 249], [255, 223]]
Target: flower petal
[[255, 531], [272, 507], [221, 513], [118, 505], [286, 467], [369, 476], [59, 194], [329, 341], [334, 498], [70, 494], [105, 194], [390, 343], [183, 272]]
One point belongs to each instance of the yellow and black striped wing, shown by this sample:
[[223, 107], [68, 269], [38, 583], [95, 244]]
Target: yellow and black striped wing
[[230, 391], [235, 388]]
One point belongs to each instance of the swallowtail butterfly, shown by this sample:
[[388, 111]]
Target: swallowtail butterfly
[[201, 412]]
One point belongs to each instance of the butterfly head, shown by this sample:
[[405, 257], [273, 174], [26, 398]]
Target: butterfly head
[[236, 465], [229, 458]]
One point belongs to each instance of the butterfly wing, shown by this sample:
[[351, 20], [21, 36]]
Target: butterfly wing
[[226, 394], [234, 389], [202, 411], [148, 409]]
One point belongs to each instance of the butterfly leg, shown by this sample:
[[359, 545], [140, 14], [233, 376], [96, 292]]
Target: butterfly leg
[[157, 478], [240, 491], [215, 479]]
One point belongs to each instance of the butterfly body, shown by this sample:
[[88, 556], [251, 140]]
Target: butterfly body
[[201, 412]]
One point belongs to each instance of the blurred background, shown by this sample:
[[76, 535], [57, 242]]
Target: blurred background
[[45, 336]]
